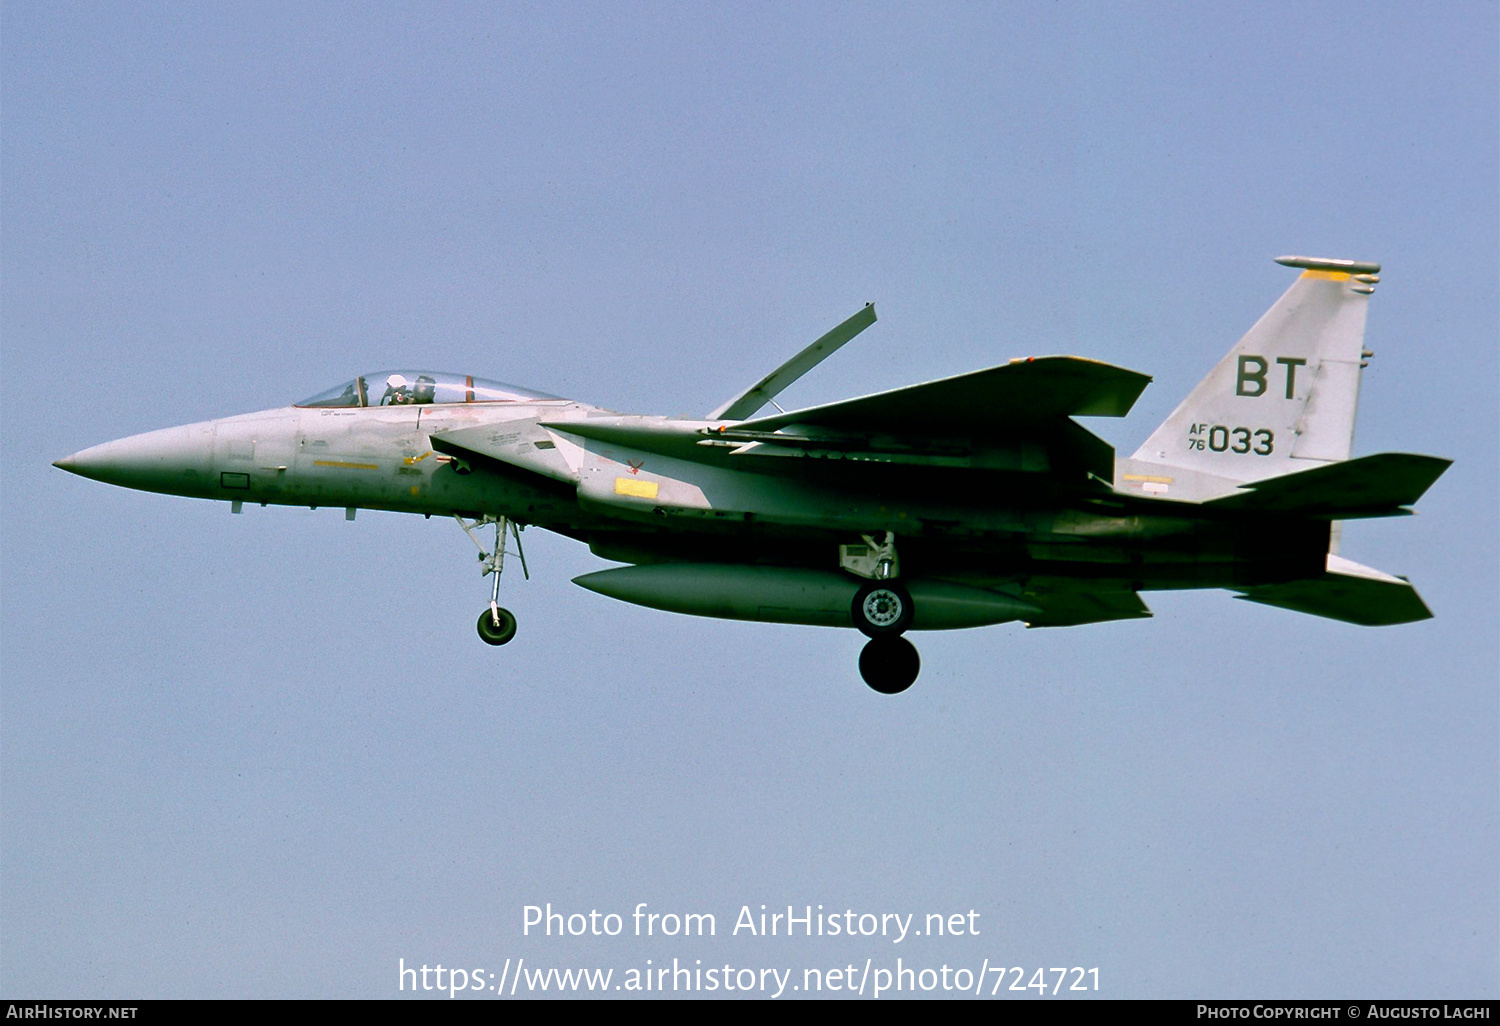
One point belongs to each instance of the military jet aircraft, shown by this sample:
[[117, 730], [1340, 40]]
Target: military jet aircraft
[[968, 501]]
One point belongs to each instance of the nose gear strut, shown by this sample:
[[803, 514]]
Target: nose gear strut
[[496, 625]]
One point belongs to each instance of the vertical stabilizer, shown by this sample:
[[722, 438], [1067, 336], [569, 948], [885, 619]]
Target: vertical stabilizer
[[1288, 391]]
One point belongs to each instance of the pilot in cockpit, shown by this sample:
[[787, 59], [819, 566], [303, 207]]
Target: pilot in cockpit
[[396, 392]]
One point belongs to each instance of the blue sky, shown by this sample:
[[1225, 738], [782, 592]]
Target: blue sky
[[266, 756]]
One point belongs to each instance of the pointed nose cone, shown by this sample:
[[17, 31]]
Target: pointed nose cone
[[175, 460]]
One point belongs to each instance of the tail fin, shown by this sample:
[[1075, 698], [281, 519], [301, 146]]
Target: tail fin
[[1287, 391]]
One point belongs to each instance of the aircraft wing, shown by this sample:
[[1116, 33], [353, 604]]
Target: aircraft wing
[[1066, 603], [1022, 393], [1014, 417]]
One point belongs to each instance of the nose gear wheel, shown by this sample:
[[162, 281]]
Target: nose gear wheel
[[497, 626]]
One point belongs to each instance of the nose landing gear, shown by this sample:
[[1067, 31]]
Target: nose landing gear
[[496, 625]]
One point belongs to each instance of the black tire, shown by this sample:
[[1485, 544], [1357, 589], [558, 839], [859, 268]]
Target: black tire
[[889, 665], [881, 609], [493, 634]]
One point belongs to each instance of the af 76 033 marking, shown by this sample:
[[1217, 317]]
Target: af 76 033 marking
[[1222, 438]]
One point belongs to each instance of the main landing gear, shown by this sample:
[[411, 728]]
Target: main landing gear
[[889, 665], [882, 610], [496, 625]]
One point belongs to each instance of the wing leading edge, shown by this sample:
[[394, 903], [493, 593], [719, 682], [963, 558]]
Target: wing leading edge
[[1023, 392]]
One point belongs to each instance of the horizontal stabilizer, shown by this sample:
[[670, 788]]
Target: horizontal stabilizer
[[1349, 592], [1016, 394], [1369, 486]]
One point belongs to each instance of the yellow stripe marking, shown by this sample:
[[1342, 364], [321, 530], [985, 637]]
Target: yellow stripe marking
[[418, 459], [636, 487], [1327, 275], [347, 466], [1146, 477]]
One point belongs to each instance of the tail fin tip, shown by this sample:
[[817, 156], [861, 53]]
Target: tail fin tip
[[1323, 264]]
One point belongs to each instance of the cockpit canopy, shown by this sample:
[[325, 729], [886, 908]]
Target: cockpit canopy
[[421, 388]]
